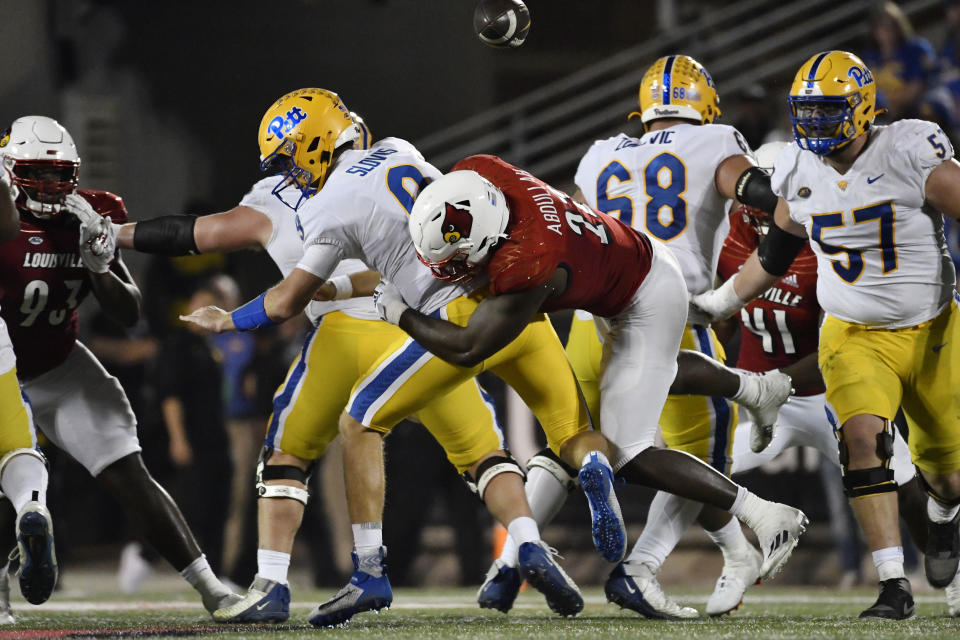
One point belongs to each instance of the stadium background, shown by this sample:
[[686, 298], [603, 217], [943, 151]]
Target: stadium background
[[163, 100]]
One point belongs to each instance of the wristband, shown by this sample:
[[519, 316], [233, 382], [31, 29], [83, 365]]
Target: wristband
[[252, 315], [343, 287]]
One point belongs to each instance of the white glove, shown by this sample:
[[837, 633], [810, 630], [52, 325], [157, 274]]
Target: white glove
[[6, 181], [390, 304], [98, 235], [719, 303]]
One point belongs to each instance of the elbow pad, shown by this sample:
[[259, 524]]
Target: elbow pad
[[753, 189], [778, 249], [166, 236]]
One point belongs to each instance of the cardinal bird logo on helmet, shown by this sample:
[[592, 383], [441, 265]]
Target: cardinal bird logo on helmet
[[457, 222]]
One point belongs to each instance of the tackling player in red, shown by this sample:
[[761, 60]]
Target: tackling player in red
[[45, 274], [545, 253]]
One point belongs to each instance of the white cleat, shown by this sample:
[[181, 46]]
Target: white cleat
[[778, 528], [739, 573], [762, 398], [953, 595]]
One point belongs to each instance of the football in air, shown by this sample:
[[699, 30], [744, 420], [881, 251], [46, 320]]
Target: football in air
[[501, 23]]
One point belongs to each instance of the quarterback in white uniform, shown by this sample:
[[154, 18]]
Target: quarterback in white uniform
[[354, 204], [675, 183], [871, 200]]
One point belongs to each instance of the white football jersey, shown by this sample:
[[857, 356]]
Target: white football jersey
[[882, 259], [286, 249], [663, 184], [362, 210]]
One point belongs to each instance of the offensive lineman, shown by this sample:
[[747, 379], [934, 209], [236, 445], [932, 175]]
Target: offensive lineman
[[777, 331], [542, 251], [355, 205], [871, 200], [47, 272]]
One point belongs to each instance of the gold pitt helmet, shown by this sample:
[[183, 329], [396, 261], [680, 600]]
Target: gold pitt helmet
[[678, 87], [832, 101], [298, 136]]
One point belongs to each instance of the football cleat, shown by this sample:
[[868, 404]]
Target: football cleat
[[366, 591], [537, 566], [38, 559], [778, 528], [500, 588], [739, 572], [942, 553], [265, 601], [953, 595], [894, 603], [643, 594], [762, 398], [608, 528]]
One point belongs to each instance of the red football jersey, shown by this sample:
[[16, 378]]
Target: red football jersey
[[43, 281], [606, 259], [782, 325]]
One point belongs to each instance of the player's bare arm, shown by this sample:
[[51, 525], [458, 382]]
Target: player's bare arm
[[241, 227], [495, 323], [362, 285], [117, 293], [943, 188]]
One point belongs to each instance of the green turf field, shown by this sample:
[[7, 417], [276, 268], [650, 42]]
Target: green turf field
[[770, 612]]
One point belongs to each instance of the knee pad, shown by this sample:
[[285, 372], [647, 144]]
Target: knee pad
[[489, 469], [552, 464], [874, 480], [281, 472], [10, 455]]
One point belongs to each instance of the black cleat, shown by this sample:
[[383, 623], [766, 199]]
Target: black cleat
[[895, 601], [942, 553]]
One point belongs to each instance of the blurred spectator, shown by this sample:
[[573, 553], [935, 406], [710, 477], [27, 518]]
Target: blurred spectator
[[948, 62], [901, 62], [190, 388]]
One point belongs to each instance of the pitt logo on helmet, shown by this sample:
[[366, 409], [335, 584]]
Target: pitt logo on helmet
[[677, 87], [832, 101], [280, 125], [300, 135]]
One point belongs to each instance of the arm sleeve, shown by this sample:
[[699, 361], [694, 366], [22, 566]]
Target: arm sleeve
[[320, 259]]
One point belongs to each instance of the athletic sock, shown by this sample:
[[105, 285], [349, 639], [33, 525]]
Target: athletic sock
[[730, 539], [367, 542], [508, 555], [889, 563], [669, 517], [23, 475], [941, 513], [201, 577], [273, 565], [524, 529], [367, 538]]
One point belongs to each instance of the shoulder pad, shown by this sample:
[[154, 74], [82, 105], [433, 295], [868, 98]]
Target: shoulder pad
[[106, 204]]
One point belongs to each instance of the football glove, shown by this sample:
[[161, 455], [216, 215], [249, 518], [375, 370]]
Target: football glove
[[390, 304], [98, 235], [719, 303]]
